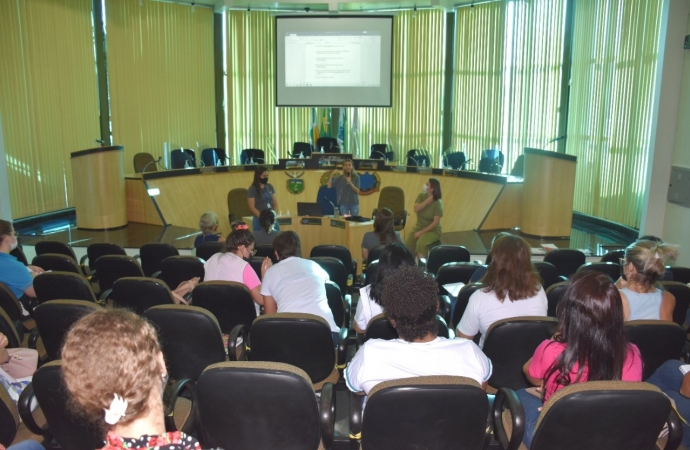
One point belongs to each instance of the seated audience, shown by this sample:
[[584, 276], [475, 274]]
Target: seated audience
[[295, 284], [392, 257], [16, 276], [17, 366], [267, 234], [411, 302], [208, 224], [481, 270], [590, 344], [512, 288], [667, 276], [643, 267], [231, 264], [114, 371], [384, 232], [676, 384]]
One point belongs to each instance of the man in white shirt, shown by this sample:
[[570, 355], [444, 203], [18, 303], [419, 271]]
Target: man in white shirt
[[294, 284], [411, 302]]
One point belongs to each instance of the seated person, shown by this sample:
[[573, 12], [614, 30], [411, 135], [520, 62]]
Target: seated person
[[512, 288], [13, 274], [295, 284], [676, 384], [369, 305], [17, 366], [667, 276], [267, 234], [411, 302], [384, 232], [208, 224], [481, 270], [643, 267], [230, 264]]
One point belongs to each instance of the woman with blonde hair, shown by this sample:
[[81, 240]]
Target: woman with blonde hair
[[642, 268], [208, 224], [384, 232], [114, 371]]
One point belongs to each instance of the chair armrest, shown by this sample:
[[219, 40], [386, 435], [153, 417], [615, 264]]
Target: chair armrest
[[506, 398], [189, 425], [327, 415], [341, 362], [83, 259], [562, 278], [156, 274], [238, 331], [445, 307], [24, 406], [675, 431], [104, 296], [33, 338], [355, 420], [347, 308]]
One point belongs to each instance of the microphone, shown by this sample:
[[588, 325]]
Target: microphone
[[199, 163], [158, 161], [412, 158], [380, 153], [101, 142], [556, 139], [332, 204]]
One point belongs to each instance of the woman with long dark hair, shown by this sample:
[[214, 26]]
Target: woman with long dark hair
[[261, 195], [512, 288], [590, 344], [384, 232]]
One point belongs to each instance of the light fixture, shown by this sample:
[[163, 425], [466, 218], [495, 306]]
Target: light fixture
[[414, 14], [153, 191]]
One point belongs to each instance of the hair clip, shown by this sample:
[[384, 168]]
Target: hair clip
[[242, 227], [116, 411]]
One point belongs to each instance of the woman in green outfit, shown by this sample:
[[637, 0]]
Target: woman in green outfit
[[429, 211]]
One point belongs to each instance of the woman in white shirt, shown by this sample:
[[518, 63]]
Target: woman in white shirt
[[512, 288], [392, 257]]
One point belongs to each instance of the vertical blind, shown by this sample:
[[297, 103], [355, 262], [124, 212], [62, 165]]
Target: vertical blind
[[160, 71], [48, 98], [615, 53]]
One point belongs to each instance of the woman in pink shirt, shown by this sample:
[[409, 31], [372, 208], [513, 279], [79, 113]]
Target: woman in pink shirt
[[590, 344]]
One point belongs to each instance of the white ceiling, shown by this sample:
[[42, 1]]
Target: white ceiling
[[334, 6]]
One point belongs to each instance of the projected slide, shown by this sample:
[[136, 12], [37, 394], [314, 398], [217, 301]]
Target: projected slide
[[333, 60]]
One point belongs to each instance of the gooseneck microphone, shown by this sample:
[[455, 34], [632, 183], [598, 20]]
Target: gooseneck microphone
[[556, 139], [155, 161], [380, 153]]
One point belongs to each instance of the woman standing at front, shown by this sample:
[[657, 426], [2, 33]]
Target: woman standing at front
[[429, 211], [346, 189], [261, 195]]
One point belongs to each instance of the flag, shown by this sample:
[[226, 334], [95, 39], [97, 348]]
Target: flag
[[342, 119], [354, 134], [314, 132]]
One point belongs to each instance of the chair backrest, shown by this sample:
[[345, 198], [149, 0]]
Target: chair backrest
[[455, 160], [266, 251], [144, 161], [179, 156], [447, 412], [7, 328], [442, 254], [548, 273], [301, 148], [303, 340], [380, 328], [554, 294], [257, 405], [208, 249], [68, 430], [329, 144], [176, 269], [140, 294], [43, 247], [613, 270], [381, 151], [393, 198], [509, 343], [111, 268], [327, 197], [55, 317], [237, 204], [613, 256], [231, 303], [518, 167], [336, 251], [335, 302], [491, 161], [455, 272], [370, 272], [9, 303], [9, 418], [463, 300], [681, 292], [658, 342], [95, 251], [603, 415], [375, 253], [18, 253], [152, 256], [249, 155], [213, 156], [56, 262], [337, 272], [681, 274], [566, 260], [190, 337], [63, 285]]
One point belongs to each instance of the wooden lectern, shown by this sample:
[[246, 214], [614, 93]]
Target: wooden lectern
[[548, 192], [98, 178]]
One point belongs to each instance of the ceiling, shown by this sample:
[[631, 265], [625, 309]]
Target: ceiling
[[333, 6]]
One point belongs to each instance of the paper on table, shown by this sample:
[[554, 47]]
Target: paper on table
[[453, 288]]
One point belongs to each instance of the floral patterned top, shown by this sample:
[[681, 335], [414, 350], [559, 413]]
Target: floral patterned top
[[173, 440]]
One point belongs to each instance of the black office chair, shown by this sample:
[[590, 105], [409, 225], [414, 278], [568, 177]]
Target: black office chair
[[379, 327], [176, 269], [554, 294], [144, 162], [95, 251], [442, 254], [342, 253], [680, 274], [393, 198], [54, 318], [111, 268], [208, 249], [463, 300], [566, 260], [491, 161], [369, 273], [56, 262], [337, 272], [548, 273], [340, 305], [658, 342], [381, 151], [10, 304], [418, 158], [613, 270], [230, 303], [43, 247], [63, 285], [213, 157], [180, 156], [139, 294], [455, 160], [329, 144], [681, 292], [152, 256], [613, 256], [9, 418], [266, 251], [455, 272], [252, 156], [301, 149], [518, 167], [18, 253]]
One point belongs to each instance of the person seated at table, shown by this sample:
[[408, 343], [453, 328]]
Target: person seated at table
[[231, 264], [369, 305], [115, 374], [642, 268], [384, 232], [267, 234], [295, 284], [208, 224], [411, 303], [511, 288], [16, 276]]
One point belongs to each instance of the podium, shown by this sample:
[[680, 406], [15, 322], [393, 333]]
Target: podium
[[548, 192], [98, 178]]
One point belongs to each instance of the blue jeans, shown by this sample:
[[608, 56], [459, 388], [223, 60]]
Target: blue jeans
[[26, 445], [531, 405], [256, 225], [352, 210], [668, 378]]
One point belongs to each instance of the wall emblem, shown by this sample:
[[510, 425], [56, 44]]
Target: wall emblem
[[295, 184]]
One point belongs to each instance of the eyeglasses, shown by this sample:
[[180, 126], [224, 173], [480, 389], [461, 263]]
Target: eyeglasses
[[251, 252]]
